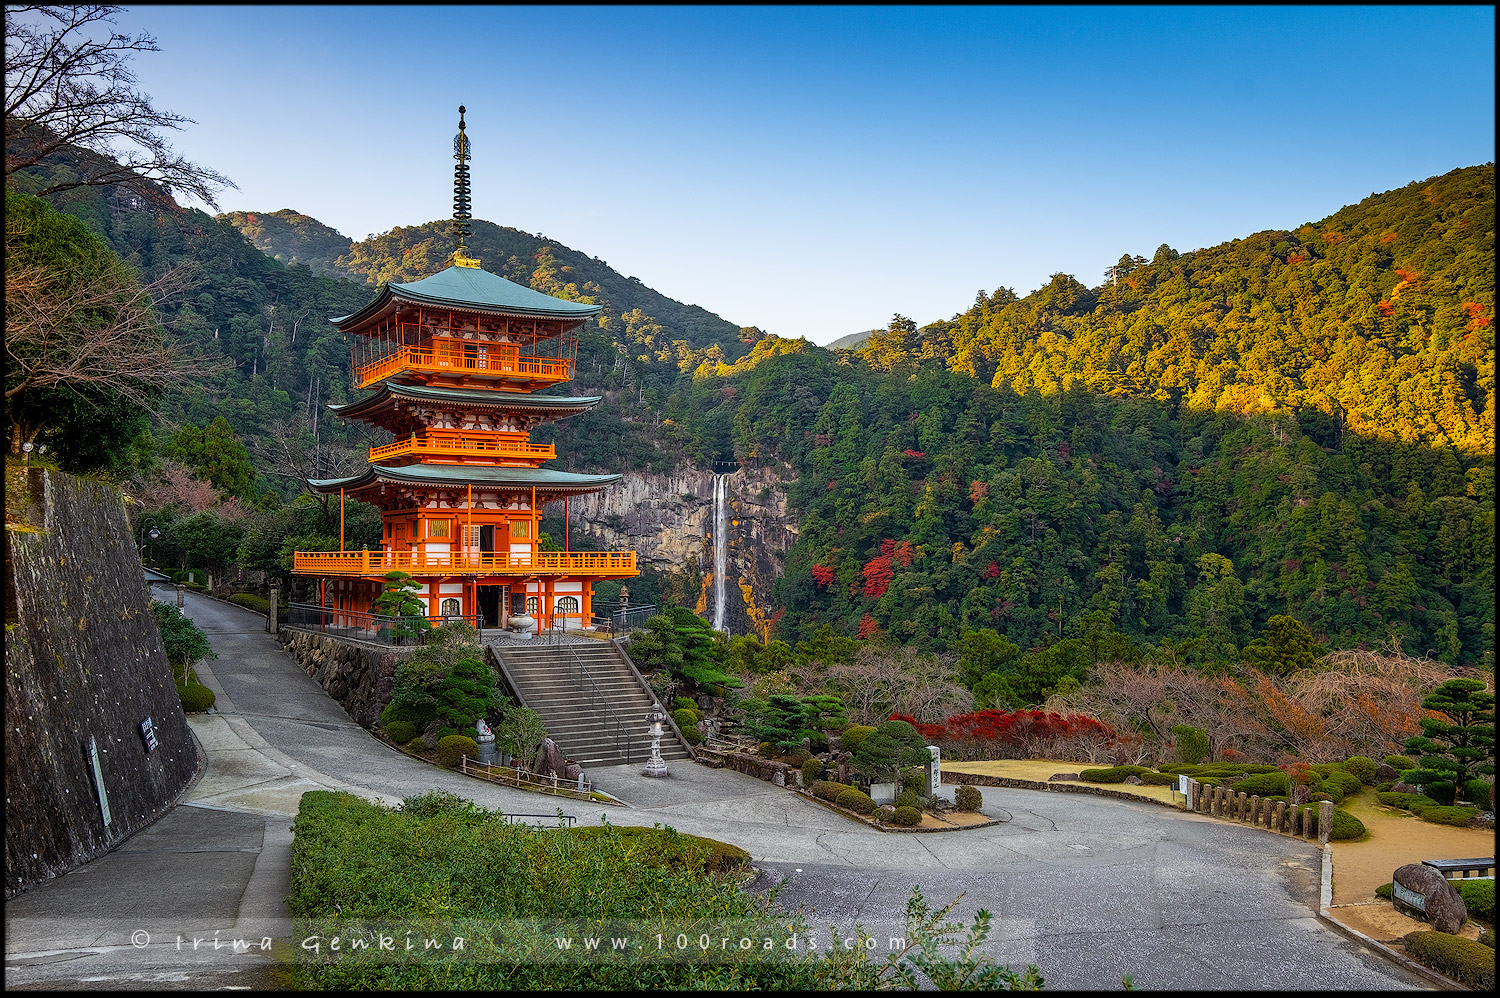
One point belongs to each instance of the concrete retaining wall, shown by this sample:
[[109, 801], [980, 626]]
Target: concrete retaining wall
[[83, 660], [358, 674], [751, 765]]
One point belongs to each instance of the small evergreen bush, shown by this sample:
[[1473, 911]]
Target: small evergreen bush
[[1384, 891], [1400, 763], [195, 697], [684, 703], [1478, 792], [766, 750], [250, 601], [1479, 897], [885, 814], [1348, 783], [1407, 802], [968, 798], [1487, 938], [1112, 774], [1381, 788], [1159, 779], [907, 798], [419, 744], [915, 781], [857, 800], [451, 748], [853, 735], [400, 732], [1264, 784], [1361, 767], [829, 790], [1442, 814], [1461, 959], [811, 770], [691, 734], [907, 817], [1345, 827], [686, 718]]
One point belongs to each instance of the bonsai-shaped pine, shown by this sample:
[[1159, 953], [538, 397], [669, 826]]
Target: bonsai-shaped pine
[[894, 745], [1453, 752], [399, 601], [681, 643], [466, 695], [779, 720]]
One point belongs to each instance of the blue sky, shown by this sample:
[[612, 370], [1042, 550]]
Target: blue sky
[[813, 170]]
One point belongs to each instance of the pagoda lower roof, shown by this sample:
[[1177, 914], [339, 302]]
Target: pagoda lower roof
[[470, 289], [390, 392], [548, 483]]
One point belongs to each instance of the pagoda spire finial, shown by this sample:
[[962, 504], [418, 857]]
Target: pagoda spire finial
[[461, 200]]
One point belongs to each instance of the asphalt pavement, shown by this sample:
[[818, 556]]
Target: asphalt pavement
[[1089, 889]]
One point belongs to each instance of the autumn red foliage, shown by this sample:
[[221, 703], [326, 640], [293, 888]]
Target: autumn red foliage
[[822, 574], [867, 628], [878, 574], [912, 453], [1032, 734], [992, 570]]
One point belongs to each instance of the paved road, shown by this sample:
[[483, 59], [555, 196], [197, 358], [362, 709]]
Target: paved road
[[1089, 889]]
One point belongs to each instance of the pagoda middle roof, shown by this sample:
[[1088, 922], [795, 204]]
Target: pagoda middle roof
[[546, 480], [472, 290], [467, 398]]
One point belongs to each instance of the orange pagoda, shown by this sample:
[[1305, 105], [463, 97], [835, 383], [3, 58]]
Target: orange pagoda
[[455, 362]]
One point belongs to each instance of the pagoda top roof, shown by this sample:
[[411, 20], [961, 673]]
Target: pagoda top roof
[[469, 398], [544, 480], [472, 290]]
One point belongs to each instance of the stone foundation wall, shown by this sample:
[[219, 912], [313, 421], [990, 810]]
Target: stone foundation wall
[[83, 660], [358, 674], [752, 765]]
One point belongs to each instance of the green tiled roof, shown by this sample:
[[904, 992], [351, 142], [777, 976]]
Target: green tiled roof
[[562, 405], [545, 479], [478, 290]]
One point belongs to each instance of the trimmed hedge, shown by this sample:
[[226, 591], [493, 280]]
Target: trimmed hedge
[[451, 748], [907, 798], [908, 817], [195, 697], [1158, 779], [655, 850], [1440, 814], [1264, 784], [829, 790], [1345, 827], [967, 798], [1400, 763], [1479, 897], [1346, 782], [686, 717], [1112, 774], [853, 735], [857, 800], [400, 732], [1477, 792], [419, 744], [250, 601], [1404, 801], [1361, 767], [811, 770], [1487, 938], [1461, 959]]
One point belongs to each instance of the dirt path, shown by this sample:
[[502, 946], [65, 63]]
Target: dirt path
[[1396, 838]]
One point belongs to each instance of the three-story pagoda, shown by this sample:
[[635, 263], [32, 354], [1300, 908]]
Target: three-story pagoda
[[455, 362]]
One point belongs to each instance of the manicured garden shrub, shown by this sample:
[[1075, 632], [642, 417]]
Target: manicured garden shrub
[[691, 734], [1400, 763], [1159, 779], [853, 735], [686, 718], [967, 798], [1264, 784], [811, 770], [678, 851], [418, 744], [1384, 891], [1112, 774], [1348, 783], [1210, 781], [856, 800], [766, 750], [1478, 792], [684, 703], [250, 601], [451, 748], [1479, 897], [1461, 959], [829, 790], [1346, 826], [1442, 814], [1329, 791], [1408, 802], [907, 817], [906, 798], [915, 781], [1362, 767], [195, 697], [1487, 938], [1381, 788], [400, 732]]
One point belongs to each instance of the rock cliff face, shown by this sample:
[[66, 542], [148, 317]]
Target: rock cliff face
[[668, 519], [84, 667]]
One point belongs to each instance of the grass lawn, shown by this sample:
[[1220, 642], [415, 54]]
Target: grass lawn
[[1040, 769]]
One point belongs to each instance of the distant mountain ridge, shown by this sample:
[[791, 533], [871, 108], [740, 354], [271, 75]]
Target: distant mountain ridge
[[853, 341]]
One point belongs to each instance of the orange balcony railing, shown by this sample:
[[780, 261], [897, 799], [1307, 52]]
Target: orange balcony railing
[[370, 563], [464, 358], [450, 443]]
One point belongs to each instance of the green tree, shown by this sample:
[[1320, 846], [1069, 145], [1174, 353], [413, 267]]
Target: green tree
[[894, 746], [466, 695], [216, 454], [680, 642], [181, 639], [1216, 607], [399, 601], [780, 720], [1452, 752], [982, 652], [520, 732]]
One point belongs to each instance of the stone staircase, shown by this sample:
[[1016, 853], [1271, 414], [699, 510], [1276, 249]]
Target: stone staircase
[[594, 707]]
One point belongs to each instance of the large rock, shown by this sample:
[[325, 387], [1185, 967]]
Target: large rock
[[1133, 780], [1405, 788], [1386, 774], [1064, 778], [1444, 907], [550, 760]]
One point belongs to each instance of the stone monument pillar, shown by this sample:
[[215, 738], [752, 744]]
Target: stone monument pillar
[[934, 771], [621, 612], [656, 765], [179, 594], [271, 622]]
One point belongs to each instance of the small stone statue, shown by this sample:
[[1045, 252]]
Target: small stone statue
[[483, 729]]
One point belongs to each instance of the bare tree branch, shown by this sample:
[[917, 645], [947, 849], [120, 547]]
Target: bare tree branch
[[64, 86]]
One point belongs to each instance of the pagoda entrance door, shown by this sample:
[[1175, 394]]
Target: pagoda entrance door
[[490, 600]]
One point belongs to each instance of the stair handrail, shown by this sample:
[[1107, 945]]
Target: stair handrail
[[610, 717], [630, 664]]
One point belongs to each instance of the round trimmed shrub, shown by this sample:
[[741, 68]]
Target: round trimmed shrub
[[686, 718], [1361, 767], [907, 817], [1400, 762], [1407, 802], [1477, 792], [1441, 814], [1264, 784], [766, 750], [1159, 779], [419, 744], [829, 790], [853, 735], [885, 814], [1381, 788], [1346, 826], [857, 800], [195, 697], [250, 601], [811, 770], [1346, 782], [1487, 938], [400, 732], [907, 798], [451, 748], [915, 781], [1479, 897], [683, 703], [967, 798], [691, 734]]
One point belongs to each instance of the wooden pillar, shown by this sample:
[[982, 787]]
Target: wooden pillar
[[584, 603], [341, 519], [469, 527], [567, 522]]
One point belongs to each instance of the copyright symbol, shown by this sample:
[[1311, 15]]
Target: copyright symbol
[[139, 938]]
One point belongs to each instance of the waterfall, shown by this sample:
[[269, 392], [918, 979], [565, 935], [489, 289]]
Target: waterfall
[[721, 548]]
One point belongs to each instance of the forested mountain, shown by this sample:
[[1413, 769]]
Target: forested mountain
[[292, 237], [1293, 423]]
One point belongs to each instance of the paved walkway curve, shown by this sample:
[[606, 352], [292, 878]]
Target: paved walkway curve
[[1087, 888]]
